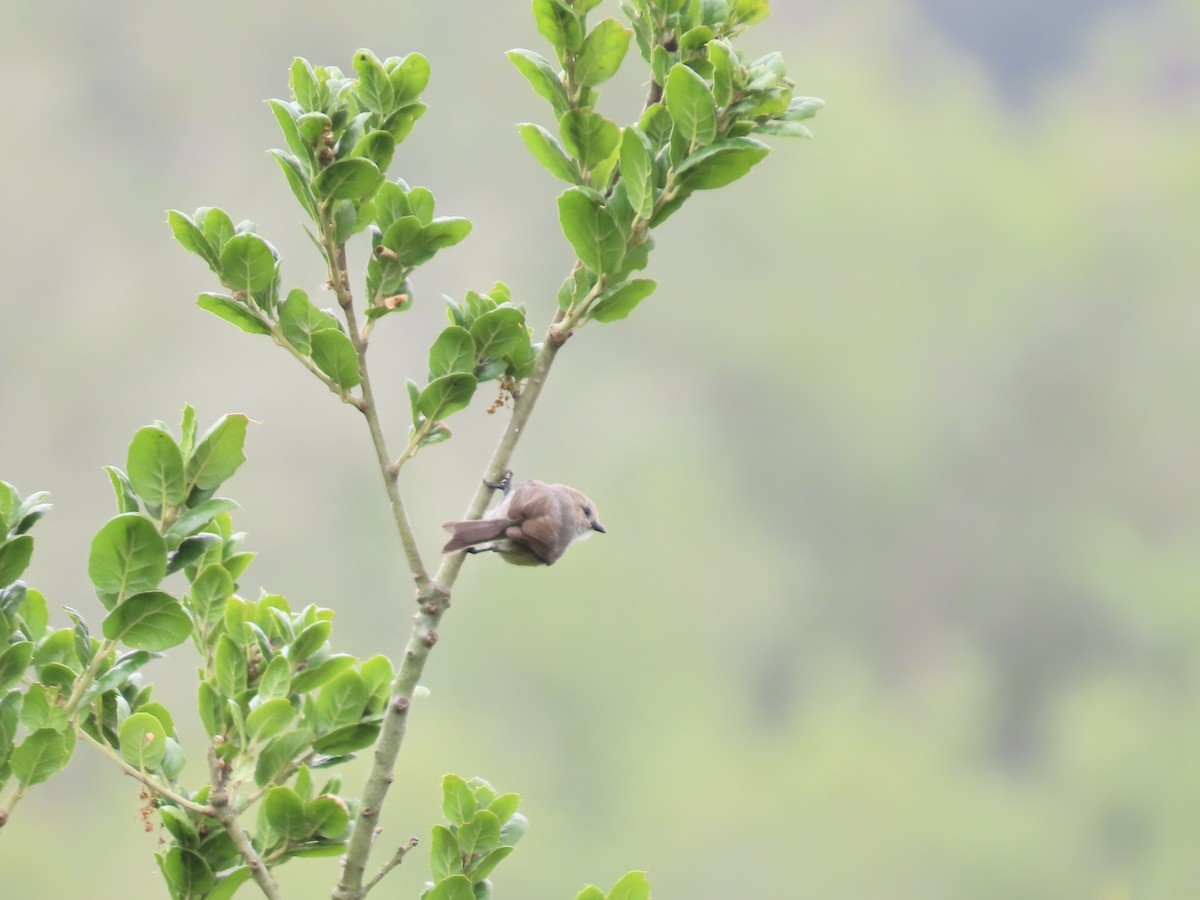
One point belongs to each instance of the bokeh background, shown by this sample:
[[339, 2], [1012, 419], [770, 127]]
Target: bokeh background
[[901, 591]]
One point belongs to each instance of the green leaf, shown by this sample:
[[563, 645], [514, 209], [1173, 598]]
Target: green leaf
[[278, 754], [276, 680], [119, 674], [41, 755], [151, 620], [128, 556], [633, 886], [347, 739], [335, 356], [211, 587], [544, 80], [33, 612], [309, 641], [348, 179], [589, 136], [197, 516], [378, 147], [179, 824], [421, 203], [592, 230], [186, 872], [155, 467], [446, 395], [499, 332], [409, 79], [504, 806], [637, 171], [377, 675], [513, 830], [619, 301], [14, 660], [549, 152], [192, 238], [247, 263], [692, 107], [458, 800], [298, 181], [341, 702], [374, 89], [591, 892], [558, 25], [480, 834], [308, 91], [485, 866], [230, 666], [228, 883], [211, 708], [328, 816], [747, 12], [15, 555], [285, 811], [233, 311], [323, 672], [143, 741], [721, 163], [219, 453], [269, 719], [603, 50], [445, 859], [453, 351], [299, 320], [445, 231]]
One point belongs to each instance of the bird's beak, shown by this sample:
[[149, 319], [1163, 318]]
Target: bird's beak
[[596, 526]]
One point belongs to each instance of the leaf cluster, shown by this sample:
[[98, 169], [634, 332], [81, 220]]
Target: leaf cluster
[[483, 829]]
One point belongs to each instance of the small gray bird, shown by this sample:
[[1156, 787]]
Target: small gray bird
[[533, 526]]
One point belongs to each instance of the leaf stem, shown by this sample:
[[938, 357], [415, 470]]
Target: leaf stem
[[223, 812], [88, 676]]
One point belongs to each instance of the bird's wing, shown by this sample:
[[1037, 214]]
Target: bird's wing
[[465, 534]]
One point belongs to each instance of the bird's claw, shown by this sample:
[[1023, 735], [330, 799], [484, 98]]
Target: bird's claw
[[504, 484]]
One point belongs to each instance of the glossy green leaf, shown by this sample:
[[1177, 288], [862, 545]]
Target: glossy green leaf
[[41, 755], [409, 79], [592, 230], [374, 89], [546, 149], [328, 816], [34, 613], [299, 320], [619, 301], [219, 452], [378, 147], [458, 800], [377, 674], [485, 866], [721, 163], [348, 179], [347, 739], [298, 181], [323, 672], [151, 620], [143, 741], [309, 641], [270, 718], [591, 892], [198, 516], [230, 666], [192, 238], [633, 886], [341, 701], [278, 754], [15, 555], [127, 556], [480, 834], [453, 351], [445, 859], [588, 136], [558, 24], [308, 91], [120, 672], [421, 204], [14, 660], [335, 356], [749, 11], [602, 52], [691, 105], [637, 171], [155, 467], [285, 811], [446, 395], [233, 311], [542, 77], [247, 263], [498, 332]]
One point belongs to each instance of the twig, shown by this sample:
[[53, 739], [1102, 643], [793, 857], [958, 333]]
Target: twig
[[148, 780], [391, 864], [223, 812]]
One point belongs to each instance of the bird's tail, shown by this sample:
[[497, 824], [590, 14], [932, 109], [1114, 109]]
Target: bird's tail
[[465, 534]]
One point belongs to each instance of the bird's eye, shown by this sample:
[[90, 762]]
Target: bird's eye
[[587, 510]]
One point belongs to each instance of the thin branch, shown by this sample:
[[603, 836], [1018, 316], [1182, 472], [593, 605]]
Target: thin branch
[[13, 800], [398, 858], [223, 813], [148, 780]]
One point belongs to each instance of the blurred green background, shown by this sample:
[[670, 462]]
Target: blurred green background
[[900, 592]]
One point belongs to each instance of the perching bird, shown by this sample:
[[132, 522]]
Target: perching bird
[[532, 527]]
